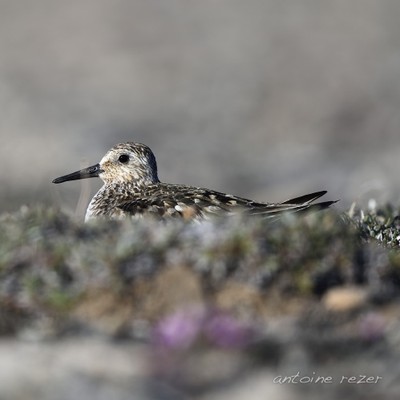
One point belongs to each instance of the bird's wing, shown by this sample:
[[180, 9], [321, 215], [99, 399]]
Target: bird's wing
[[167, 200]]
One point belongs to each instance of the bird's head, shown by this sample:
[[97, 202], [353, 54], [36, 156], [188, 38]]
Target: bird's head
[[125, 162]]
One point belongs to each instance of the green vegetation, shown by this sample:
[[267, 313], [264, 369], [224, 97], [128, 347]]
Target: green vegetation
[[56, 267]]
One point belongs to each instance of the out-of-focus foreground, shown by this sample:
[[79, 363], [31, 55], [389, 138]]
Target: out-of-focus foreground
[[229, 309]]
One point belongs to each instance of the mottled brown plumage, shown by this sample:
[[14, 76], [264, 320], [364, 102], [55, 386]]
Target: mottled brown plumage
[[132, 188]]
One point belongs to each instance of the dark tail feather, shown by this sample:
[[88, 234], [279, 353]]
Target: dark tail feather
[[304, 203], [318, 206], [307, 198], [300, 204]]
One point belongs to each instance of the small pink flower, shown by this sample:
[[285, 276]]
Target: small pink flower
[[179, 330], [372, 326]]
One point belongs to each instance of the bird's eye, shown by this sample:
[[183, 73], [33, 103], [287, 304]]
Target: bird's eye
[[123, 158]]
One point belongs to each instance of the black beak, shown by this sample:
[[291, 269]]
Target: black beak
[[89, 172]]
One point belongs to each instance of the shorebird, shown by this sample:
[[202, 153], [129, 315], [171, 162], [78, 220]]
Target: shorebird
[[132, 188]]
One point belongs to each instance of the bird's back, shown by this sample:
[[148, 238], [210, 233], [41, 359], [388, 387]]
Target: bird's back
[[169, 200]]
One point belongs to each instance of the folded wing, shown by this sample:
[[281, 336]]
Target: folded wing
[[166, 200]]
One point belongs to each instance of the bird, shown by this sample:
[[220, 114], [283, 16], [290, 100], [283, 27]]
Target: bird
[[132, 189]]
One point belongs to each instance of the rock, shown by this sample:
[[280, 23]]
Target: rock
[[342, 299]]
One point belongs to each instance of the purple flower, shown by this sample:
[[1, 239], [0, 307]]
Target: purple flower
[[227, 331], [179, 330], [372, 326], [184, 328]]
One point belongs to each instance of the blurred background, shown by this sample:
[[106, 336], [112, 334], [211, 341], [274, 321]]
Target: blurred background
[[264, 99]]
